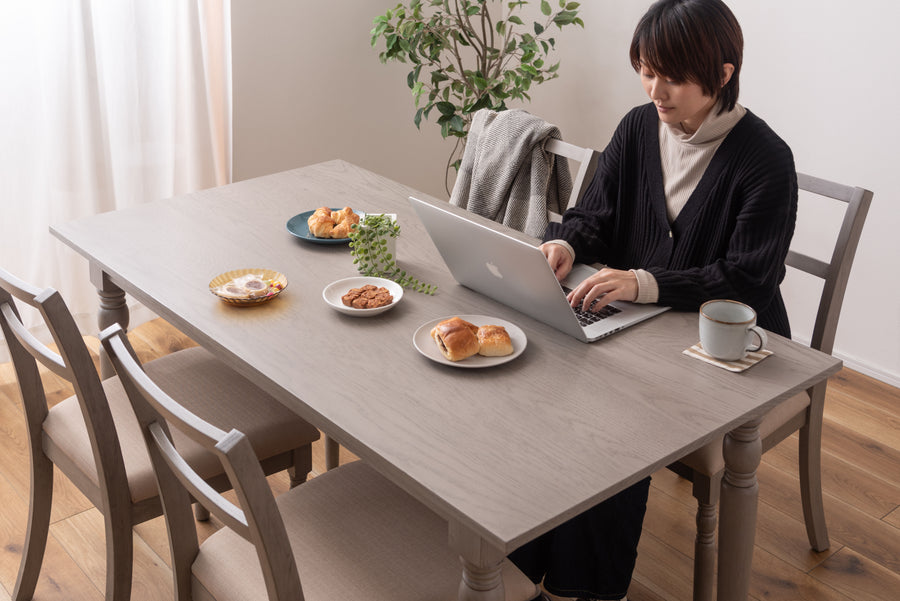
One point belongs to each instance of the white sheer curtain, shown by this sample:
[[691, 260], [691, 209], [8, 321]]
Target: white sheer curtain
[[105, 104]]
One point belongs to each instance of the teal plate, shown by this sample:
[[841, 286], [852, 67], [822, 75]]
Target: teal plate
[[297, 225]]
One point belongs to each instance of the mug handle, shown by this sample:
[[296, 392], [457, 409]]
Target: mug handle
[[763, 339]]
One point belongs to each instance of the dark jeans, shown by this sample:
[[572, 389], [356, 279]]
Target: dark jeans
[[593, 554]]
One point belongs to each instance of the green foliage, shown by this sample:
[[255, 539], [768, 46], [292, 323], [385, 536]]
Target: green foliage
[[368, 246], [470, 54]]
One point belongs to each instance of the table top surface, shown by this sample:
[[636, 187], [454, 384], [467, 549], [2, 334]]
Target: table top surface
[[507, 451]]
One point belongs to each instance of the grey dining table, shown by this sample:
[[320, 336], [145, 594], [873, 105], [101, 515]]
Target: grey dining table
[[503, 453]]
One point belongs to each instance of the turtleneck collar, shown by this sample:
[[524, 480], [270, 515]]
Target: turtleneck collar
[[713, 129]]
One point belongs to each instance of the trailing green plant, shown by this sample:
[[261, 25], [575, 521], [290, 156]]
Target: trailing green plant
[[368, 246], [469, 54]]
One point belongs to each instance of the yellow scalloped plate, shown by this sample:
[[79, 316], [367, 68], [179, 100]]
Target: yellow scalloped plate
[[277, 283]]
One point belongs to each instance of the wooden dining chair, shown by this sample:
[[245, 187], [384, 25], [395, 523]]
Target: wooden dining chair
[[94, 439], [803, 412], [586, 158], [347, 534]]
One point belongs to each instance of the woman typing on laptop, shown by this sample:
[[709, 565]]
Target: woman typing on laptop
[[694, 198]]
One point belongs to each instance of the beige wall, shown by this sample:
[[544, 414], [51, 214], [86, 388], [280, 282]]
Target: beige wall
[[308, 87]]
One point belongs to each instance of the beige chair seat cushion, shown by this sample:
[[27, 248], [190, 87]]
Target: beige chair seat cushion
[[355, 536], [205, 386], [708, 459]]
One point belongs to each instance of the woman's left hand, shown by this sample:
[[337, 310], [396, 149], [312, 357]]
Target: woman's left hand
[[603, 287]]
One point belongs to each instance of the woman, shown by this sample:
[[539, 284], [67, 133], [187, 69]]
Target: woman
[[694, 198]]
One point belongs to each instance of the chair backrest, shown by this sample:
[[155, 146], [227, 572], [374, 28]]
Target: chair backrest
[[257, 520], [836, 272], [587, 164], [72, 362]]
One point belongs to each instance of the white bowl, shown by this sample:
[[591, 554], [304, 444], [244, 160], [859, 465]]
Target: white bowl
[[335, 290]]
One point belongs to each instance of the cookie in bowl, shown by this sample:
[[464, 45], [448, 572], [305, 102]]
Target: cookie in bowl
[[367, 296]]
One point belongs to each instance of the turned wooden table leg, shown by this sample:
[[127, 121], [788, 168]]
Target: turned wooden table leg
[[742, 450], [481, 578], [113, 309]]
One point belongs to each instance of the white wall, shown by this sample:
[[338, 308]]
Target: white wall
[[308, 87]]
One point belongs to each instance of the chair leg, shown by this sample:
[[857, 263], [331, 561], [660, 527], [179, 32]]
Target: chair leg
[[705, 552], [201, 513], [119, 555], [299, 471], [706, 491], [332, 453], [811, 473], [39, 506]]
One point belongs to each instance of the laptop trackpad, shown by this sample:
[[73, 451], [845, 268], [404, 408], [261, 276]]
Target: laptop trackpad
[[579, 273]]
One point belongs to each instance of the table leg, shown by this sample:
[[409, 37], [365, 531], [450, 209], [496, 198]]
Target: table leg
[[481, 578], [113, 309], [742, 449]]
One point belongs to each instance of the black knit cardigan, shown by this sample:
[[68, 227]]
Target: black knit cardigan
[[730, 239]]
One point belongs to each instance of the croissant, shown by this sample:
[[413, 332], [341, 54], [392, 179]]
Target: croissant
[[341, 230], [322, 212], [320, 226], [325, 223], [345, 215]]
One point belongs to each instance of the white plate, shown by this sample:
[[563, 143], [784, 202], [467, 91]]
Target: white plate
[[335, 290], [425, 344]]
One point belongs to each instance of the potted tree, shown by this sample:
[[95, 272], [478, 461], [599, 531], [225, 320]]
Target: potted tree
[[466, 55]]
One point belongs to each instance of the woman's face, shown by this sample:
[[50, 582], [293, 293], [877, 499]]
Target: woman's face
[[677, 103]]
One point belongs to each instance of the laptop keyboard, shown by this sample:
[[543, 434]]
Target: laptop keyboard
[[586, 318]]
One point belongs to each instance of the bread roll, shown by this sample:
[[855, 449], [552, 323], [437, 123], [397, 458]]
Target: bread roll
[[456, 338], [494, 341]]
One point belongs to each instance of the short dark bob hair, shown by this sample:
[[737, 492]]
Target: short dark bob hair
[[689, 41]]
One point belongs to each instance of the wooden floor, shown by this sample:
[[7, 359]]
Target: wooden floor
[[861, 473]]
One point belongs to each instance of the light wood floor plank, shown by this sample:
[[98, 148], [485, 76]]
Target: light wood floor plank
[[893, 518], [857, 449], [858, 577], [784, 536], [15, 463], [847, 525], [846, 481], [671, 520], [774, 580], [867, 390], [61, 578], [639, 592], [663, 570], [82, 536], [868, 419]]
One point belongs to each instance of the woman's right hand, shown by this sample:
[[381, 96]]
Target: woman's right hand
[[559, 259]]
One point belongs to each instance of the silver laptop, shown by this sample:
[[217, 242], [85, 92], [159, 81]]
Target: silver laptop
[[517, 274]]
